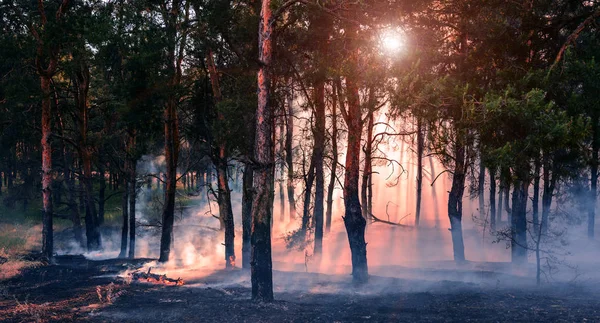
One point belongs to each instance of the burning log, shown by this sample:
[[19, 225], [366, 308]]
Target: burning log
[[156, 279]]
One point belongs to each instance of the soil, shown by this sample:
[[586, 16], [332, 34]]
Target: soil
[[77, 289]]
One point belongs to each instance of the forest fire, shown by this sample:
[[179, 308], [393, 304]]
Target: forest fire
[[299, 160]]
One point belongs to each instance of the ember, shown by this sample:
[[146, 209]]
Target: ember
[[156, 279]]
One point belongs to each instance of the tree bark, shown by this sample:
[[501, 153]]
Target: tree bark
[[492, 172], [82, 82], [262, 203], [319, 152], [171, 123], [536, 195], [220, 161], [334, 161], [47, 232], [593, 178], [353, 220], [246, 214], [518, 219], [368, 150], [420, 149], [132, 198], [289, 152], [125, 213], [455, 202]]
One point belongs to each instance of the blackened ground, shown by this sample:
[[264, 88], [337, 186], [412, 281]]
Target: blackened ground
[[69, 290]]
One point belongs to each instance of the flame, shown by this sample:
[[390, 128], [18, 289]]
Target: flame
[[232, 261]]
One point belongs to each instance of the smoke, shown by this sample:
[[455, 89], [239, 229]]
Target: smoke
[[423, 255]]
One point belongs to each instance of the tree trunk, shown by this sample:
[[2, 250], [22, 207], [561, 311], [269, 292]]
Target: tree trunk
[[500, 200], [353, 220], [82, 82], [125, 226], [319, 151], [262, 203], [171, 124], [334, 161], [547, 193], [47, 232], [101, 193], [309, 180], [220, 161], [225, 211], [492, 172], [593, 178], [132, 200], [536, 195], [455, 202], [481, 189], [420, 149], [246, 214], [289, 153], [368, 150], [282, 172], [518, 219]]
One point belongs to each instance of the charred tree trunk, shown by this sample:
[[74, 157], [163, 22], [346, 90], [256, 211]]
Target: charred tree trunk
[[262, 203], [282, 171], [500, 200], [289, 152], [353, 220], [246, 214], [334, 161]]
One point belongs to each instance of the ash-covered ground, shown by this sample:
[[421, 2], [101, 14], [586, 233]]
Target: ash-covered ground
[[77, 289]]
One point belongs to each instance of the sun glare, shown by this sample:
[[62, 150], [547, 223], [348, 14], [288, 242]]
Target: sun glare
[[391, 42]]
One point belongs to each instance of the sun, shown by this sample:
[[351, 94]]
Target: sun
[[391, 41]]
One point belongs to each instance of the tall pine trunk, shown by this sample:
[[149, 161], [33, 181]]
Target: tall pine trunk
[[353, 220], [319, 156], [132, 201], [125, 213], [47, 232], [262, 203], [334, 161], [289, 151]]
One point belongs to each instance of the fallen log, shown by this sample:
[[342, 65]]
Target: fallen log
[[155, 279]]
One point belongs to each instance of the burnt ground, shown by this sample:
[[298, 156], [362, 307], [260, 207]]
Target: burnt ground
[[76, 289]]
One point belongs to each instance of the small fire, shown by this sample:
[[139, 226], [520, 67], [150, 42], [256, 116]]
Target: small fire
[[156, 279], [232, 261]]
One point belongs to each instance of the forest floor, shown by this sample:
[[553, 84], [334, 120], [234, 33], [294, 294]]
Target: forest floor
[[77, 289]]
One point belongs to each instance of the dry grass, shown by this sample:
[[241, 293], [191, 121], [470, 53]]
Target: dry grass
[[15, 241]]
